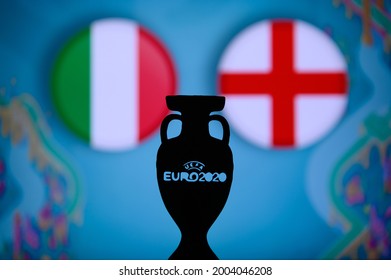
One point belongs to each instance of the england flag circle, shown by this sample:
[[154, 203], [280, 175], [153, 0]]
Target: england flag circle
[[109, 84], [285, 82]]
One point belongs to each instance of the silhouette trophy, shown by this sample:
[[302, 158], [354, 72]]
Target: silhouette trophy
[[194, 172]]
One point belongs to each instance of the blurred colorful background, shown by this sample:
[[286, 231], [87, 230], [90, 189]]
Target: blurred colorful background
[[62, 199]]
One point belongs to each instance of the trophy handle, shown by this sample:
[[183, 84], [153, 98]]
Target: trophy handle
[[165, 123], [225, 125]]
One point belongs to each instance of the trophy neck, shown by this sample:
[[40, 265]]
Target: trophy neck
[[195, 125]]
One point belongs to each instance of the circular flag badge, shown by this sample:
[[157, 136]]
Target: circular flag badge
[[285, 82], [109, 84]]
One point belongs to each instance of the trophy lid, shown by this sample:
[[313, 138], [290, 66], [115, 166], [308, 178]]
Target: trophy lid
[[195, 103]]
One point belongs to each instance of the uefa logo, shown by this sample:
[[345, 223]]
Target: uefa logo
[[193, 174]]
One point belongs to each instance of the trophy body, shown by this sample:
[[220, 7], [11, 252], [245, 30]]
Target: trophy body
[[194, 172]]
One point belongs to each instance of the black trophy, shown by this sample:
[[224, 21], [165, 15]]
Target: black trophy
[[194, 172]]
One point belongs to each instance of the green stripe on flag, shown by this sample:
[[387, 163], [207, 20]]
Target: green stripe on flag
[[71, 84]]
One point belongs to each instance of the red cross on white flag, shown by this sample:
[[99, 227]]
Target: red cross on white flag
[[285, 83]]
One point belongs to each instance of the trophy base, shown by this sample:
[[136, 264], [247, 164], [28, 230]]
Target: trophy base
[[199, 250]]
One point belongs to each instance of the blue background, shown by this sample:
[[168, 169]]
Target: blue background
[[270, 213]]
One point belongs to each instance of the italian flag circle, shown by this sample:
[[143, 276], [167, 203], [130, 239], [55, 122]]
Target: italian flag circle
[[109, 84]]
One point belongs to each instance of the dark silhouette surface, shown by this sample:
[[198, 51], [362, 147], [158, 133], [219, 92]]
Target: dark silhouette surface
[[194, 172]]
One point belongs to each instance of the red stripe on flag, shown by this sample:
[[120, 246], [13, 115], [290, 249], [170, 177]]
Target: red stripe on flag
[[318, 83], [282, 40], [303, 83], [283, 83], [156, 81], [282, 67], [246, 83]]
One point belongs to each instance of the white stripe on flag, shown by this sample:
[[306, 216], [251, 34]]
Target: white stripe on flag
[[251, 116], [316, 115], [114, 84], [250, 52], [315, 52]]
